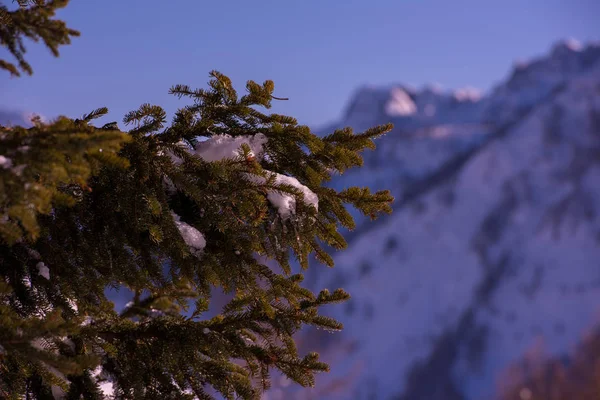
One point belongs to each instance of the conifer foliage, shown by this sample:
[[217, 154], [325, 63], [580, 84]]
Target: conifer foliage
[[170, 212], [33, 20]]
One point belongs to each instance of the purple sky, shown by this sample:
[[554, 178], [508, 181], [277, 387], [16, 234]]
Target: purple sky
[[316, 51]]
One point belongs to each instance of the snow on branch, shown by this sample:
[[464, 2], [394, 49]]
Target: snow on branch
[[192, 236], [43, 270], [221, 147], [104, 381], [5, 162], [286, 202]]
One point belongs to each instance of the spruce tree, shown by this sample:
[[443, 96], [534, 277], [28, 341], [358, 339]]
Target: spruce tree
[[169, 211]]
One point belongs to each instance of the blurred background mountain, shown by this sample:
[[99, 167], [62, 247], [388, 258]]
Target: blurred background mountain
[[494, 245]]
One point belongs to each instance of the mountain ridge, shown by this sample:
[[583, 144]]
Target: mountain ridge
[[491, 247]]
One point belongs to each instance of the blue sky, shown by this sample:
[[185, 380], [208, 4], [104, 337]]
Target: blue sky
[[317, 51]]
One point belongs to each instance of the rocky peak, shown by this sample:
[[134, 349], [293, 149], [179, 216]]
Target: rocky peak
[[530, 82]]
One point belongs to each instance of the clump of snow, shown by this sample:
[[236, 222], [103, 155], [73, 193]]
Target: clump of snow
[[58, 393], [73, 305], [220, 147], [106, 386], [400, 103], [156, 313], [43, 270], [192, 236], [27, 282], [285, 202], [97, 371], [5, 162]]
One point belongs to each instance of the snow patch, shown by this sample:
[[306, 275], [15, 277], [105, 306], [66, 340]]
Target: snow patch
[[192, 236], [43, 270], [5, 162], [73, 305], [285, 202], [58, 393], [467, 94], [107, 388], [568, 44], [400, 103], [221, 147], [105, 385]]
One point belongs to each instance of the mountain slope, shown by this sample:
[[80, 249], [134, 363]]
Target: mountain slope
[[495, 239]]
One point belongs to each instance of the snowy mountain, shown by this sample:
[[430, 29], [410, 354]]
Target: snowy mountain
[[494, 243]]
